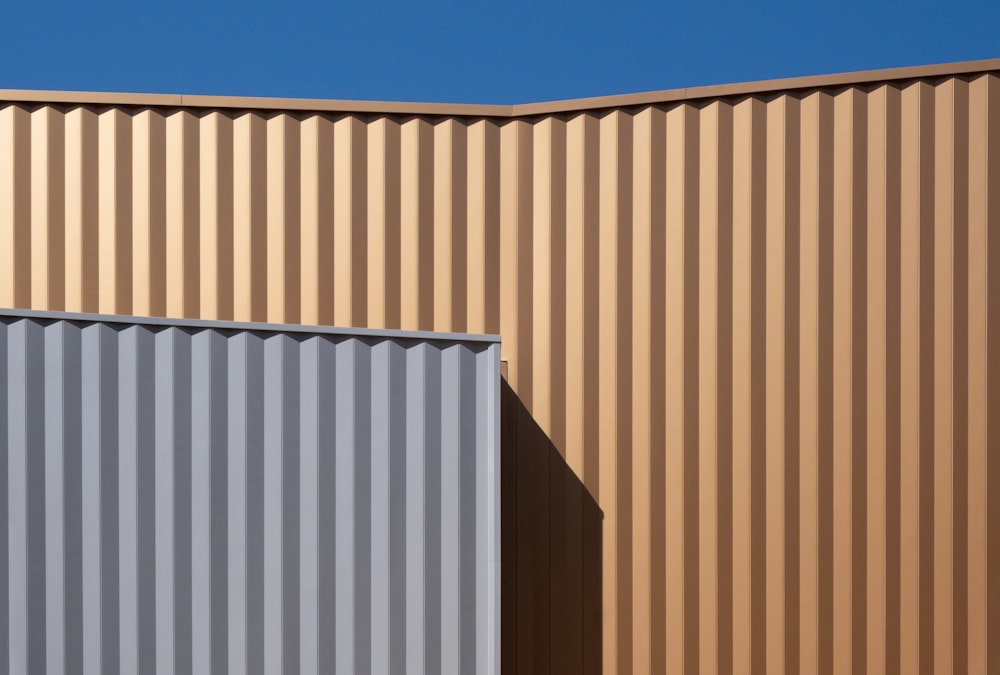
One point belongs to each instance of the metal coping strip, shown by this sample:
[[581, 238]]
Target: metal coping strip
[[303, 105], [257, 327]]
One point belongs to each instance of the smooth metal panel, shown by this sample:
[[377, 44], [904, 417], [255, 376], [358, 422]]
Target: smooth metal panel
[[246, 499], [756, 321]]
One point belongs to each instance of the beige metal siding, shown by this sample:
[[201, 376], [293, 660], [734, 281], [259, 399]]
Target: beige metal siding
[[757, 327]]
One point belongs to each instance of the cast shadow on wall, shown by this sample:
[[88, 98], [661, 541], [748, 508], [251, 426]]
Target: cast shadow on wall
[[550, 554]]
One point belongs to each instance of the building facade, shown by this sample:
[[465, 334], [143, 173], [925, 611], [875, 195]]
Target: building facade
[[757, 324]]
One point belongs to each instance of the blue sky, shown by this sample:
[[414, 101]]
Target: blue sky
[[476, 52]]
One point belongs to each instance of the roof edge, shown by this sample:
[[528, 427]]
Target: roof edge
[[503, 111], [760, 86], [248, 326]]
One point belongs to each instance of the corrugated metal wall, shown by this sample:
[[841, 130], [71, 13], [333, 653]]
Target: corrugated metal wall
[[550, 556], [757, 327], [179, 499]]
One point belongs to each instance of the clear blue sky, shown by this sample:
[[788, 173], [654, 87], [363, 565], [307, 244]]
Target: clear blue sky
[[476, 52]]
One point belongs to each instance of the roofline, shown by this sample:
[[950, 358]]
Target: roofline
[[519, 110], [246, 326]]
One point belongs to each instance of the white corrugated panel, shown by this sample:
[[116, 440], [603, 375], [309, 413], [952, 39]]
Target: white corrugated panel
[[194, 497]]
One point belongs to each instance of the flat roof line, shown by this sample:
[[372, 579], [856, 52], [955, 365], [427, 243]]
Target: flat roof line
[[204, 324], [503, 111]]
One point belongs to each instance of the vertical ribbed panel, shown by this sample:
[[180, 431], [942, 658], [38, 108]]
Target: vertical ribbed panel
[[185, 499], [757, 329]]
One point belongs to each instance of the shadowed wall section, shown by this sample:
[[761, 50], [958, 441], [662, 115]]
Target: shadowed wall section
[[550, 554]]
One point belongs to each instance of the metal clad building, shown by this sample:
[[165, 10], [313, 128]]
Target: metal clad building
[[194, 497], [759, 323]]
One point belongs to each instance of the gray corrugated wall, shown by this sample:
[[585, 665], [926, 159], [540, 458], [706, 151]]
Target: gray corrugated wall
[[204, 500]]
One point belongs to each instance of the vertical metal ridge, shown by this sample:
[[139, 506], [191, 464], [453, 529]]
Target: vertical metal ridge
[[216, 215], [165, 441], [392, 251], [291, 540], [993, 387], [708, 388], [218, 371], [910, 383], [81, 217], [182, 502], [960, 380], [792, 341], [327, 526], [542, 201], [382, 209], [99, 495], [314, 171], [450, 198], [948, 224], [843, 423], [182, 239], [614, 220], [724, 403], [114, 212], [282, 169], [775, 380], [207, 447], [5, 646], [492, 226], [15, 212], [416, 516], [927, 345], [416, 223], [641, 420], [433, 509], [308, 509], [272, 501], [55, 414], [130, 439], [451, 509], [757, 383], [893, 366], [477, 252], [658, 397], [361, 391], [349, 213], [575, 304], [558, 334], [381, 628], [237, 494], [978, 369], [741, 487], [623, 384], [347, 596], [48, 287], [27, 446], [876, 346], [515, 252], [690, 436], [250, 302], [256, 514], [674, 258], [398, 480], [808, 367], [149, 195], [471, 527]]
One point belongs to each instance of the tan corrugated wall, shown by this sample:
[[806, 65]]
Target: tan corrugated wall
[[758, 328]]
